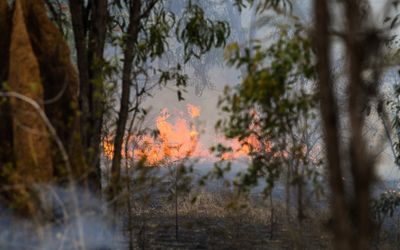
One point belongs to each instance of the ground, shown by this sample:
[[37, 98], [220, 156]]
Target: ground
[[215, 221]]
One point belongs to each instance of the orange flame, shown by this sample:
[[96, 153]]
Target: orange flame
[[175, 141], [240, 149], [193, 111], [179, 139]]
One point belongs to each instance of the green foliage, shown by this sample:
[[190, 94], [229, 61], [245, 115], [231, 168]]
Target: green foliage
[[198, 33], [179, 180], [273, 99], [174, 74], [160, 30], [269, 94], [156, 33]]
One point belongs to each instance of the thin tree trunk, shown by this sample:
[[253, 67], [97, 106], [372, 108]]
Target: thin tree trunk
[[133, 30], [300, 208], [6, 135], [79, 28], [330, 123], [97, 38], [287, 192]]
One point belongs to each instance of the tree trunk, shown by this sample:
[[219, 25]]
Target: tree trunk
[[133, 31], [361, 164], [40, 69], [79, 28], [97, 38], [330, 121], [90, 27], [352, 219], [6, 152]]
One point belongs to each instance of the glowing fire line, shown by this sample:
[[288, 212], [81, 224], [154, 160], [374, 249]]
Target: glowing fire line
[[180, 139]]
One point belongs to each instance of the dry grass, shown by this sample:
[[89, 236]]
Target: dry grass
[[224, 221]]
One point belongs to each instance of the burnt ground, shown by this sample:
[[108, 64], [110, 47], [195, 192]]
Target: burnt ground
[[215, 222], [214, 233]]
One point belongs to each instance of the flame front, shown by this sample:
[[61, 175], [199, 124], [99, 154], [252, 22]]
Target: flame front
[[175, 142], [179, 139], [240, 149]]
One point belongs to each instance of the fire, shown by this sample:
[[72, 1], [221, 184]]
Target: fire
[[193, 110], [108, 148], [178, 139], [240, 149]]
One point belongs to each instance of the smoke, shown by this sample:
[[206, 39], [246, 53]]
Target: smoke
[[85, 226]]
